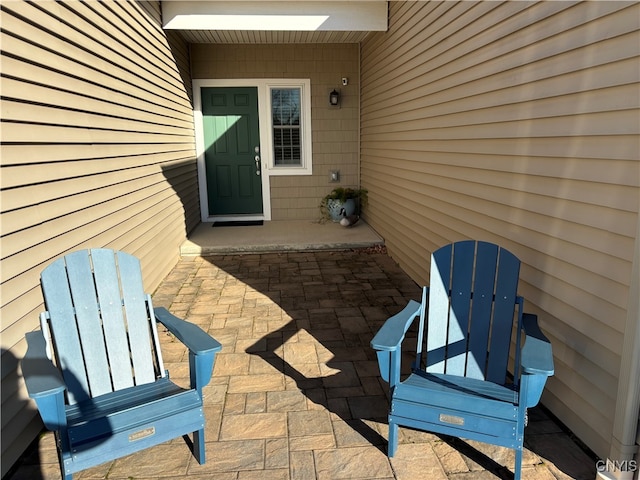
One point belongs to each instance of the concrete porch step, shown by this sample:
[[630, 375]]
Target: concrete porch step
[[278, 236]]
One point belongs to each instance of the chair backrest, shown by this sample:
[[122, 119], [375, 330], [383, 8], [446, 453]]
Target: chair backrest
[[99, 324], [472, 307]]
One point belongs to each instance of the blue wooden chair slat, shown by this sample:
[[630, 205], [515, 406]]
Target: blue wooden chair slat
[[132, 413], [503, 316], [89, 324], [460, 306], [121, 399], [436, 328], [466, 323], [115, 333], [139, 321], [483, 284], [95, 369], [57, 295]]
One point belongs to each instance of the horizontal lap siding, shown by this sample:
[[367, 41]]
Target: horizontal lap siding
[[97, 151], [517, 123]]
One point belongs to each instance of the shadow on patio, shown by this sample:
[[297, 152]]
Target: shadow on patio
[[296, 392]]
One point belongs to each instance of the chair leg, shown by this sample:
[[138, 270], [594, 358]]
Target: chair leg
[[65, 476], [61, 457], [517, 470], [198, 446], [393, 438]]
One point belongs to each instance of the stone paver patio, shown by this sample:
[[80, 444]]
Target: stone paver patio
[[296, 392]]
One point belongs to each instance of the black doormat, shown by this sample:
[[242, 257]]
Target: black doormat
[[246, 223]]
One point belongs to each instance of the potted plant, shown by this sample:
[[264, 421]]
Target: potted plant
[[351, 199]]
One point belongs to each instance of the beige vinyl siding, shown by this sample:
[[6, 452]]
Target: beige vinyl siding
[[517, 122], [334, 130], [97, 151]]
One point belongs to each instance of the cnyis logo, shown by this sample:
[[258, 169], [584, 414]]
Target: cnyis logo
[[617, 465]]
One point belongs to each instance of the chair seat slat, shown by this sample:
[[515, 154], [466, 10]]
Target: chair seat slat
[[114, 416], [111, 402], [456, 386]]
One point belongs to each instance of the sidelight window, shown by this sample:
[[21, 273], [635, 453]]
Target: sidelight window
[[290, 129]]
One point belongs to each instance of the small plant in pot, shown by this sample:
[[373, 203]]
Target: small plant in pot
[[351, 199]]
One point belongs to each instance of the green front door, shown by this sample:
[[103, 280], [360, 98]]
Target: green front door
[[232, 150]]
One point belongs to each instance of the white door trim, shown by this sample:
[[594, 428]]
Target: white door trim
[[267, 167], [200, 148]]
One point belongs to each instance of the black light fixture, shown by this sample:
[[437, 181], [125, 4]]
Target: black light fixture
[[334, 98]]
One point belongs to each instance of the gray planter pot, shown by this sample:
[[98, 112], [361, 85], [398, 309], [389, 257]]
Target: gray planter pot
[[334, 207]]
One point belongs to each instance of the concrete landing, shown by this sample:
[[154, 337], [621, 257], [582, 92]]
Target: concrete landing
[[278, 236]]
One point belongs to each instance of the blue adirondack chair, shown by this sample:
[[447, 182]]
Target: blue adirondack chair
[[459, 383], [95, 368]]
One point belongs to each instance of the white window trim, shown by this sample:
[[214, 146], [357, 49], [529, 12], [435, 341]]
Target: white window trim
[[305, 127], [268, 168]]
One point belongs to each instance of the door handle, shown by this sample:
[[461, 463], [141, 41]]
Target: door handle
[[257, 159]]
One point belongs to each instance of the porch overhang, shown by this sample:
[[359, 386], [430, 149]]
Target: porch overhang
[[298, 15]]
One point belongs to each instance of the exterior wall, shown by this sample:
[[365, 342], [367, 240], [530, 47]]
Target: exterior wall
[[517, 123], [335, 131], [97, 150]]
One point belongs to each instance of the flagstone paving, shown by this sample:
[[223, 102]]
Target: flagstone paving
[[296, 392]]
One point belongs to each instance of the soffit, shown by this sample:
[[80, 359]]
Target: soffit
[[253, 36], [299, 21]]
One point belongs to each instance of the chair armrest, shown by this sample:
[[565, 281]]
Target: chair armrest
[[537, 356], [193, 337], [44, 382], [41, 376], [391, 334], [388, 340], [202, 346]]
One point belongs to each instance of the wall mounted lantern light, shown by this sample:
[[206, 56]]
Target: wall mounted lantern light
[[334, 98]]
